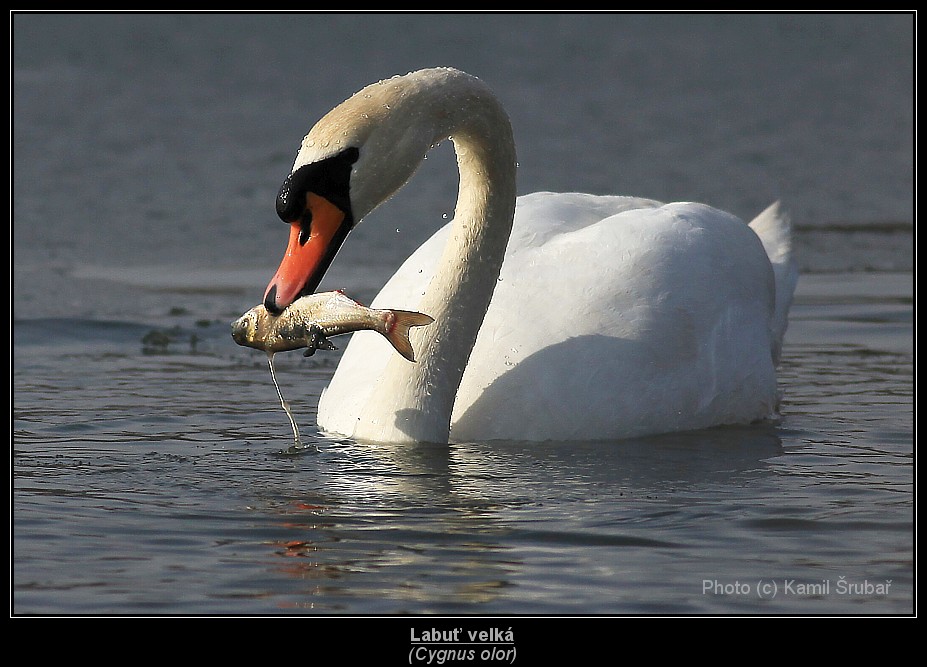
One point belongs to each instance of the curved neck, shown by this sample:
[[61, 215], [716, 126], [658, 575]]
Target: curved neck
[[413, 402]]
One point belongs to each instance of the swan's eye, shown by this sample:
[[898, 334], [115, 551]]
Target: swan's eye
[[329, 178], [305, 226]]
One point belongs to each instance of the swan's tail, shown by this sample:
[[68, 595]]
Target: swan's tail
[[774, 228]]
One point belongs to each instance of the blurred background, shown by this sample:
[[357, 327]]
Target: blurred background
[[149, 148]]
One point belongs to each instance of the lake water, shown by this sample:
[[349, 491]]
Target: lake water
[[149, 472]]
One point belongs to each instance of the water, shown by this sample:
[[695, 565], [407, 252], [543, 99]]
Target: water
[[150, 467]]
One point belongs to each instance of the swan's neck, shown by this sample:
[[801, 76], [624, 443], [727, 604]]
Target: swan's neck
[[413, 402]]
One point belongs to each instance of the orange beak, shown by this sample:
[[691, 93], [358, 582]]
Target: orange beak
[[309, 253]]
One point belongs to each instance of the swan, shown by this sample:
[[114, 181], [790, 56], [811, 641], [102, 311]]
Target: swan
[[557, 316]]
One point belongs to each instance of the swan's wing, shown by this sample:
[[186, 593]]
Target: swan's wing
[[607, 308], [654, 311]]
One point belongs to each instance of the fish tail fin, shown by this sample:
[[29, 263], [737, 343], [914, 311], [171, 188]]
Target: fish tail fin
[[397, 330], [774, 227]]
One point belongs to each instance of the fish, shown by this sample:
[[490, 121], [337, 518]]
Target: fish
[[309, 321]]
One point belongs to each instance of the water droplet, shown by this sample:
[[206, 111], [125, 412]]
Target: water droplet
[[310, 143], [444, 215], [324, 143]]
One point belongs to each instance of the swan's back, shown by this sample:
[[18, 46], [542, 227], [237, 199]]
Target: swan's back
[[612, 317]]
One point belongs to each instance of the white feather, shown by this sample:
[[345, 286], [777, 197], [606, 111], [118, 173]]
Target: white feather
[[611, 317]]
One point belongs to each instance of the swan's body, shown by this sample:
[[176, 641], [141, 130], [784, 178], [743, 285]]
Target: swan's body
[[589, 318]]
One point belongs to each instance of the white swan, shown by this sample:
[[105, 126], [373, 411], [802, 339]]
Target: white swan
[[591, 317]]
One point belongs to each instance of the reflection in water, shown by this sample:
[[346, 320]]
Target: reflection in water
[[451, 523]]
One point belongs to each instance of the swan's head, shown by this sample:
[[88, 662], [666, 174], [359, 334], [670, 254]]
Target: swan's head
[[358, 155]]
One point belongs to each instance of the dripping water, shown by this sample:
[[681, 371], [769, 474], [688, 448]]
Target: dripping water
[[297, 446]]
